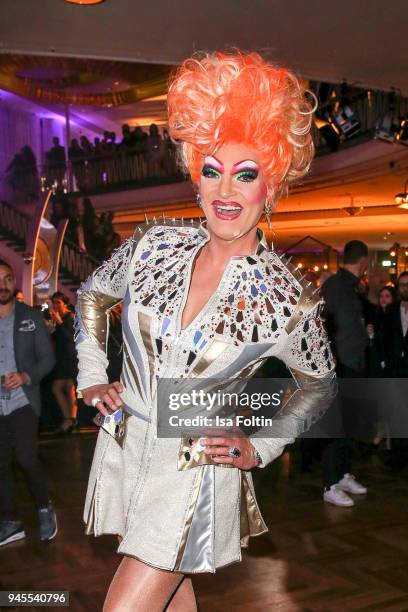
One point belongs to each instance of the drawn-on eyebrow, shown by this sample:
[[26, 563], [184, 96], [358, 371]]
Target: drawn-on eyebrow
[[211, 160], [245, 163]]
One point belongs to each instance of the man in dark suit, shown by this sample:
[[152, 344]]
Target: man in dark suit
[[394, 352], [344, 314], [26, 356]]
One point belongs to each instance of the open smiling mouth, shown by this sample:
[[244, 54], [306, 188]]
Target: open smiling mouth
[[226, 211]]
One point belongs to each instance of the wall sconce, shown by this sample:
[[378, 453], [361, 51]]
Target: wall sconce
[[401, 199]]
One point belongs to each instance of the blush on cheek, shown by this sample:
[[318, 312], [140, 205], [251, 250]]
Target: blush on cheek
[[259, 196], [263, 191]]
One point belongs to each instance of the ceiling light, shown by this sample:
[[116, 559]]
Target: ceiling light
[[84, 1], [402, 134]]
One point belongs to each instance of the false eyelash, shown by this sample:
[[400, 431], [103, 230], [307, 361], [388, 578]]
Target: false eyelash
[[209, 171], [249, 175]]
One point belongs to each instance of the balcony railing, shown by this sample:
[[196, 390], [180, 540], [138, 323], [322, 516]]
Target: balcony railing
[[341, 120]]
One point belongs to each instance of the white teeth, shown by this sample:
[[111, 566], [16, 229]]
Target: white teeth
[[229, 208]]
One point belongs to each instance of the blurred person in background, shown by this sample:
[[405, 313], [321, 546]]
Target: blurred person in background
[[56, 161], [154, 151], [26, 356], [89, 222], [345, 324], [394, 347], [66, 368], [378, 278], [386, 297]]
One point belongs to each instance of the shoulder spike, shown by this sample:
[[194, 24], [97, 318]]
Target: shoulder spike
[[182, 220], [146, 219], [174, 219]]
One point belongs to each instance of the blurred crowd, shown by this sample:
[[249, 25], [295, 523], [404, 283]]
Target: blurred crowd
[[137, 156], [91, 233]]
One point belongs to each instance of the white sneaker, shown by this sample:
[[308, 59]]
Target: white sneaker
[[336, 496], [351, 485]]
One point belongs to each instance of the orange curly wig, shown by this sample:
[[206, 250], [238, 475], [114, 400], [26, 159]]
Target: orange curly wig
[[224, 98]]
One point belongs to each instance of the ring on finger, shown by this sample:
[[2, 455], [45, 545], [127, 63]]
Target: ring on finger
[[95, 400], [234, 452]]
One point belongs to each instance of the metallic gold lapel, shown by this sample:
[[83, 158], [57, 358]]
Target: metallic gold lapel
[[211, 354]]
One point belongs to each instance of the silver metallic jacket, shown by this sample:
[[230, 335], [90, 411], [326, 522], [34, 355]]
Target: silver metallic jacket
[[202, 513]]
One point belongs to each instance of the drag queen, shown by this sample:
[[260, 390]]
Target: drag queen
[[200, 301]]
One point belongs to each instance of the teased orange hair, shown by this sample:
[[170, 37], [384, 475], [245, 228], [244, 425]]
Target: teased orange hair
[[224, 98]]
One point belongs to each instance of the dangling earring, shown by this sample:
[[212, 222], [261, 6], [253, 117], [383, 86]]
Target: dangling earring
[[198, 200], [268, 210]]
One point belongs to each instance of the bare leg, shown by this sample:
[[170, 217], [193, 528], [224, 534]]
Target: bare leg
[[183, 599], [139, 587], [58, 389], [73, 408]]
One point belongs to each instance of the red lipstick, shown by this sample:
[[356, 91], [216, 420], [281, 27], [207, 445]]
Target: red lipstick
[[226, 211]]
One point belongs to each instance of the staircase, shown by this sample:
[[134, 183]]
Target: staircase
[[13, 227], [74, 266]]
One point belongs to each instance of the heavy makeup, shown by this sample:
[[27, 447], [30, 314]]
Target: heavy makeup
[[233, 192]]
